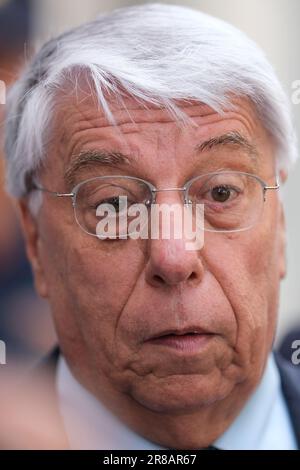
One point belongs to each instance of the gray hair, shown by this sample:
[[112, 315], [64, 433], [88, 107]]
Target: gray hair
[[157, 54]]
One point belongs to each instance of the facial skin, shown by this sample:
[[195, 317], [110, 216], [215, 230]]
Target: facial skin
[[109, 297]]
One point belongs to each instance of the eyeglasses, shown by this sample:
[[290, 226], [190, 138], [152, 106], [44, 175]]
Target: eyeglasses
[[233, 201]]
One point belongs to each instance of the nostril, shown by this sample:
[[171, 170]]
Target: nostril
[[158, 279], [193, 276]]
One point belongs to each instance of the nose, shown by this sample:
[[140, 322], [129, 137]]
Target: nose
[[170, 263]]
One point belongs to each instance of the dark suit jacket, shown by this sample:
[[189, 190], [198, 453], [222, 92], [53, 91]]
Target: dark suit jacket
[[289, 373]]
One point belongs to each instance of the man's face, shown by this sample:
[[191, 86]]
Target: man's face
[[111, 298]]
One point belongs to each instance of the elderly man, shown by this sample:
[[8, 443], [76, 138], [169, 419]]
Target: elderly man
[[160, 346]]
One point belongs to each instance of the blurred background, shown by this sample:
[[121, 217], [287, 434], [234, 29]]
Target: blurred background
[[25, 322]]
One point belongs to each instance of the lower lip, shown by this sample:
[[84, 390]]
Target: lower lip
[[186, 343]]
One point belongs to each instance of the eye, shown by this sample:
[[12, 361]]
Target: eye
[[222, 193], [120, 204]]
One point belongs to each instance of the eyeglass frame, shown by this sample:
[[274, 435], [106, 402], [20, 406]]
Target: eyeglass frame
[[154, 190]]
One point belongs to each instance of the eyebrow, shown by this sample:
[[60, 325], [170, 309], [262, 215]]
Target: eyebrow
[[108, 158], [88, 158], [231, 138]]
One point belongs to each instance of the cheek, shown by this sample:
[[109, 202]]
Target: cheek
[[245, 266], [89, 282], [97, 282]]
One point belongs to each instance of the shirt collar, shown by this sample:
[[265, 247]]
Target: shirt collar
[[89, 424], [264, 421]]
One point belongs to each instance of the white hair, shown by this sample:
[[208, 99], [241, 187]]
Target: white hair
[[158, 54]]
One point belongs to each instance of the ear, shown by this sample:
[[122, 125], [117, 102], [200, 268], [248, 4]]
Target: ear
[[282, 243], [32, 238]]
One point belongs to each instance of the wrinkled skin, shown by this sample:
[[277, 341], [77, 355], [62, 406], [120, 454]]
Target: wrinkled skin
[[109, 297]]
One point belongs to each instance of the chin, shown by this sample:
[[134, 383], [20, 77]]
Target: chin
[[181, 394]]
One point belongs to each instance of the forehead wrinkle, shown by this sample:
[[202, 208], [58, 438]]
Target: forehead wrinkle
[[88, 158]]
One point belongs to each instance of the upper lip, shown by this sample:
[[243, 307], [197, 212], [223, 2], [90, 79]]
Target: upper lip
[[180, 332]]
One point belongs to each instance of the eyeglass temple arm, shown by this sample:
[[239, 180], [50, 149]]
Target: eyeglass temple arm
[[54, 193], [64, 194], [272, 187], [276, 186]]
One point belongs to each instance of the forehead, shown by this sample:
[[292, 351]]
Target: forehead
[[128, 111], [81, 126]]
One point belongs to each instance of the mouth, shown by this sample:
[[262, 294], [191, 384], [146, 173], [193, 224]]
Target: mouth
[[188, 340]]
